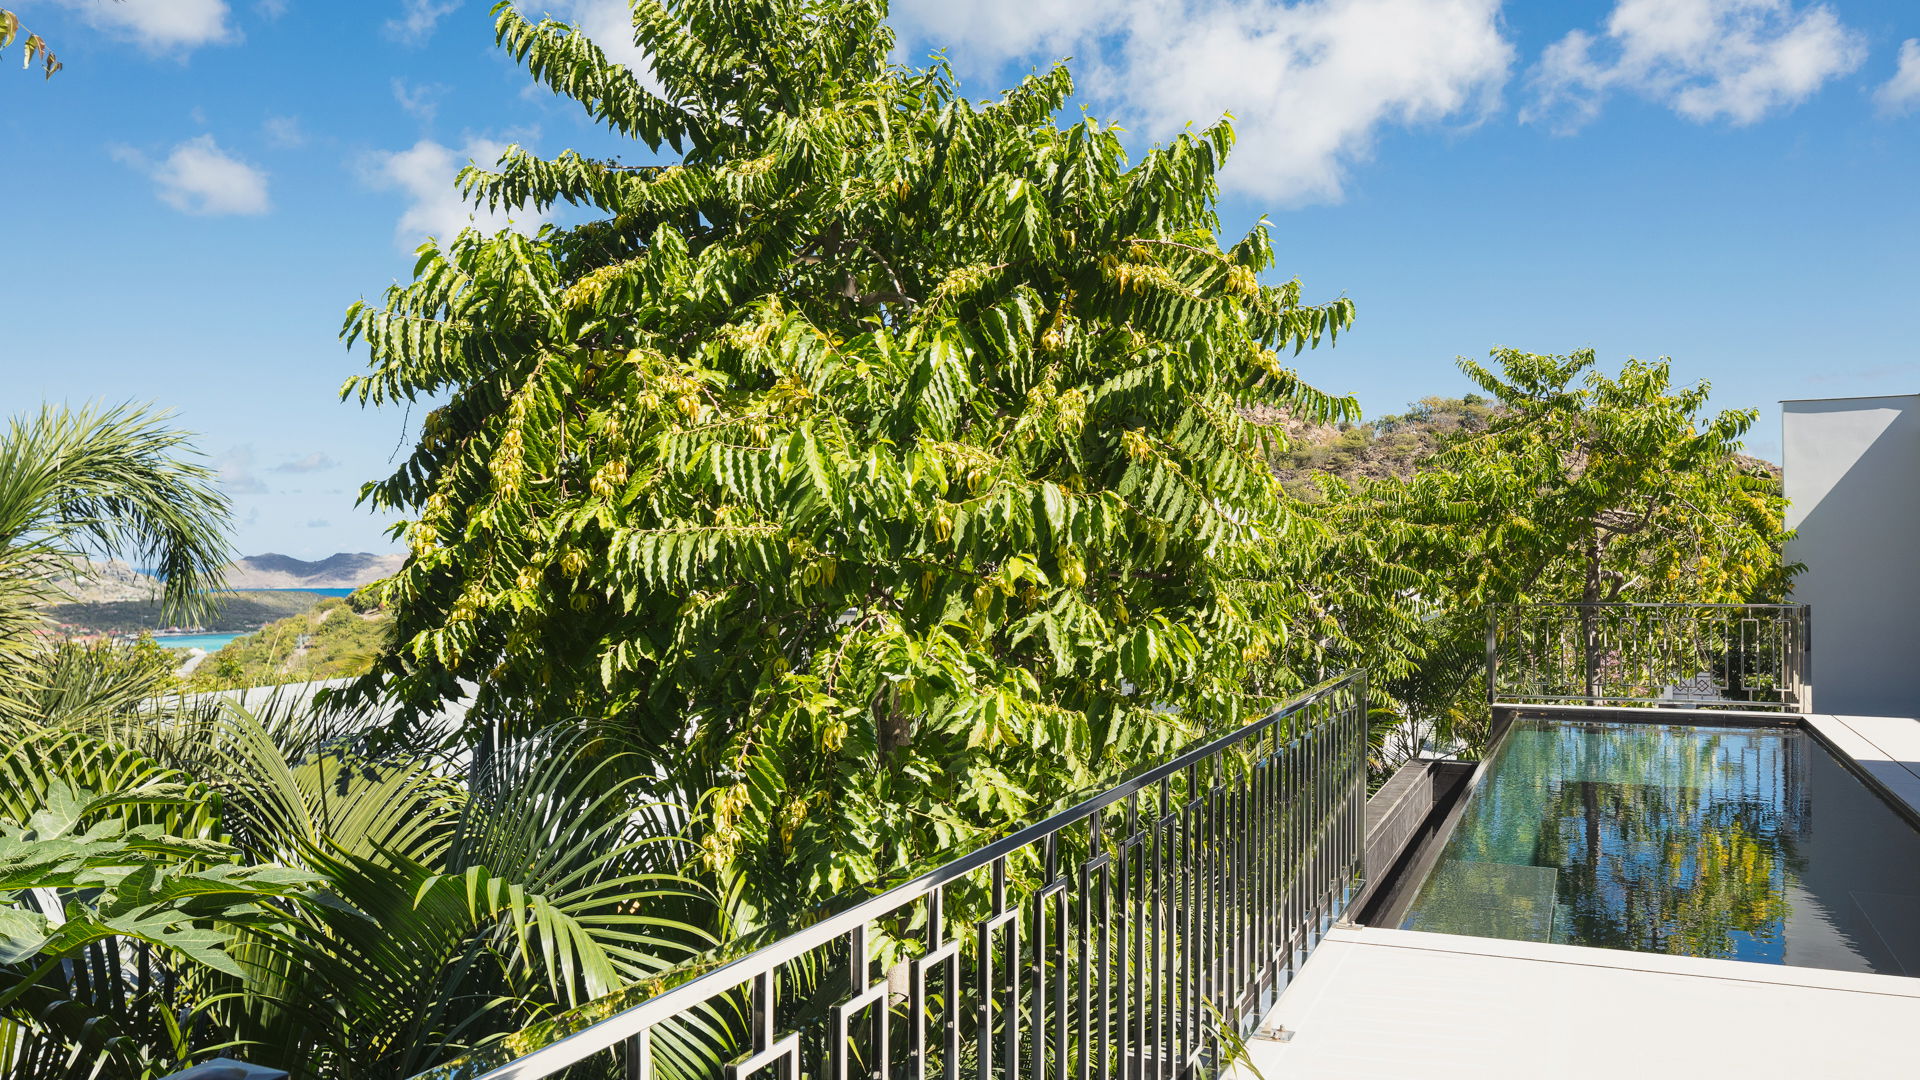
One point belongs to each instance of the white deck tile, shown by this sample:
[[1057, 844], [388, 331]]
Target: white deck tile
[[1397, 1003], [1896, 737], [1887, 748]]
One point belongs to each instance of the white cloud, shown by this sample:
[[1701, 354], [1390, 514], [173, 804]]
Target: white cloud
[[235, 468], [270, 9], [420, 102], [1705, 59], [159, 25], [418, 18], [313, 462], [981, 35], [285, 132], [198, 177], [425, 173], [1310, 83], [609, 23], [1902, 92]]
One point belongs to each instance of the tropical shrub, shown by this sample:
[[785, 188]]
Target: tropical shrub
[[70, 679], [117, 901], [249, 881]]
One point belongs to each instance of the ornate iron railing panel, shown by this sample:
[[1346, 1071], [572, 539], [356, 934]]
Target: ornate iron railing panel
[[1134, 936], [1750, 656]]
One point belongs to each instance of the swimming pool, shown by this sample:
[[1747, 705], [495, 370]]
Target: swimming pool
[[1737, 843]]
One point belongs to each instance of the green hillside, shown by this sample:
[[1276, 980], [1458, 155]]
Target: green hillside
[[330, 641], [1391, 446], [238, 611]]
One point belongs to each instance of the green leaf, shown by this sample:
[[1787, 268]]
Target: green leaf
[[22, 934]]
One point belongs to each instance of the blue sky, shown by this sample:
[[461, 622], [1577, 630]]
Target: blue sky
[[194, 201]]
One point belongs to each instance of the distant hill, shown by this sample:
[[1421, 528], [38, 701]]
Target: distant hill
[[85, 582], [112, 597], [239, 611], [342, 570], [1390, 446]]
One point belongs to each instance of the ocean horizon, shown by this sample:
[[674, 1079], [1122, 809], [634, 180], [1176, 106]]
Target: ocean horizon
[[209, 642], [148, 571]]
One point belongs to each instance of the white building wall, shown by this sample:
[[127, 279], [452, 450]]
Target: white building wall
[[1853, 485]]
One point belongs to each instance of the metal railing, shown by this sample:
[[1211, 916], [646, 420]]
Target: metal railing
[[1749, 656], [1136, 935]]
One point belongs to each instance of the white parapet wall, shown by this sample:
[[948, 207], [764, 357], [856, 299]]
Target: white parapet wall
[[1853, 483]]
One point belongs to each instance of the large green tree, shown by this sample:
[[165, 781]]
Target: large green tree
[[1584, 487], [876, 456], [1602, 488]]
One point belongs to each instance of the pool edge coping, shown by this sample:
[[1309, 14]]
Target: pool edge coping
[[1700, 967]]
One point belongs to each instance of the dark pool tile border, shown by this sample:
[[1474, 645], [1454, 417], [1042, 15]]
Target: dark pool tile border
[[1860, 772]]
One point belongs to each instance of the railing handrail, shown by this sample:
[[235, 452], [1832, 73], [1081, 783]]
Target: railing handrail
[[1631, 604], [1778, 653], [612, 1031]]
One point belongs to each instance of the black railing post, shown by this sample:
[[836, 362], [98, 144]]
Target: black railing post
[[1493, 654], [1806, 659]]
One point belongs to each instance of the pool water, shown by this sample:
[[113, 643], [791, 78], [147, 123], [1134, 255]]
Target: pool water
[[1736, 843]]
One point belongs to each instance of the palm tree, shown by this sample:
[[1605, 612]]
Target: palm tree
[[446, 911], [74, 483], [440, 907]]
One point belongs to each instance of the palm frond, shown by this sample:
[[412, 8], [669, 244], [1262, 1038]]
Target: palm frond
[[118, 481]]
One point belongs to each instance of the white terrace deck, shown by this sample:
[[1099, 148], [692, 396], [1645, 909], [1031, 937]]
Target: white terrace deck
[[1887, 748], [1374, 1002]]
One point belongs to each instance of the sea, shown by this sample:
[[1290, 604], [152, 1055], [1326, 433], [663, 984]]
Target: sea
[[149, 572], [216, 642], [209, 642]]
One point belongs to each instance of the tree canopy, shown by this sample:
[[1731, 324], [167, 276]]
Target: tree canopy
[[1610, 488], [871, 469], [1582, 487], [877, 459]]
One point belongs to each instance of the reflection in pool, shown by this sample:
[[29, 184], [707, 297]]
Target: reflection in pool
[[1738, 843]]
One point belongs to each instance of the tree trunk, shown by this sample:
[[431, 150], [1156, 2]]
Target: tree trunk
[[893, 728]]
